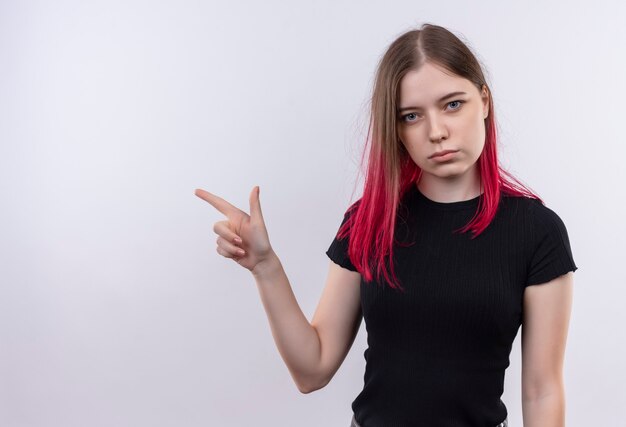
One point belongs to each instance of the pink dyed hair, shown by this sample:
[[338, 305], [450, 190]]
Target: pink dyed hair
[[390, 171]]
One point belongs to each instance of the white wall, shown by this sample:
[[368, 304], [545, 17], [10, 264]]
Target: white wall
[[115, 308]]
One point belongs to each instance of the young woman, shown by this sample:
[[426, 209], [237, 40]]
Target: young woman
[[441, 257]]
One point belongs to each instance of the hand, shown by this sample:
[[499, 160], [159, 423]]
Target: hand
[[249, 229]]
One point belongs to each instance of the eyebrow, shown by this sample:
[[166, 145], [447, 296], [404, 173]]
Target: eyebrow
[[443, 98]]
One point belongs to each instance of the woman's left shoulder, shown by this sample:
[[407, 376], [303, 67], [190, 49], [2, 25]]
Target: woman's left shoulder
[[542, 213], [531, 205]]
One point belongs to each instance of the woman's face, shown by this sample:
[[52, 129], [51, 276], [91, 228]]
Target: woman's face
[[428, 123]]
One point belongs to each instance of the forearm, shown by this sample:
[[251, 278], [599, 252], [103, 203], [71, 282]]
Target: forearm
[[545, 411], [297, 341]]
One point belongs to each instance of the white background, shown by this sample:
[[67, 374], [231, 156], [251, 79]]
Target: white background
[[116, 309]]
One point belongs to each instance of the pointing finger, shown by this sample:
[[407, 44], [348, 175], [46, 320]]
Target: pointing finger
[[217, 202]]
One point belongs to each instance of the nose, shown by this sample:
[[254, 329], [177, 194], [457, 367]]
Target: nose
[[437, 130]]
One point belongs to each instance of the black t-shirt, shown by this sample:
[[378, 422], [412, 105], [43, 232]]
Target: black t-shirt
[[437, 353]]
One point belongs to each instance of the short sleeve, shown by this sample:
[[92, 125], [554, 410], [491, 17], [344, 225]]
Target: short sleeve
[[551, 254], [338, 250]]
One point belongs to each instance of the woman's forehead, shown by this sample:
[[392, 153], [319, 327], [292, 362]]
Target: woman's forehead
[[424, 88]]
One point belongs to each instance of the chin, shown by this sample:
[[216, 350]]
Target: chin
[[448, 171]]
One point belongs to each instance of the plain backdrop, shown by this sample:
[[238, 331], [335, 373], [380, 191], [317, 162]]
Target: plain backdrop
[[116, 309]]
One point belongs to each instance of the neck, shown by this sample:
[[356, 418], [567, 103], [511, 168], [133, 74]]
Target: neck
[[450, 189]]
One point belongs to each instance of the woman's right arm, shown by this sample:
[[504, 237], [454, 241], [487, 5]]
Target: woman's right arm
[[313, 352]]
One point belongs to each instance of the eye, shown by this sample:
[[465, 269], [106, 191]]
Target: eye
[[404, 118], [457, 101]]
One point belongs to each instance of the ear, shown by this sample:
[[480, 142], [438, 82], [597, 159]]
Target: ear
[[485, 97]]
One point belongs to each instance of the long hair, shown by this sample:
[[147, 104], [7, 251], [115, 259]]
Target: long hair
[[390, 171]]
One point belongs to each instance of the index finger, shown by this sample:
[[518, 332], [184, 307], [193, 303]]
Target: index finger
[[217, 202]]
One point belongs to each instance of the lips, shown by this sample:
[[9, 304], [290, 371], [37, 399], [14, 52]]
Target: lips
[[441, 153]]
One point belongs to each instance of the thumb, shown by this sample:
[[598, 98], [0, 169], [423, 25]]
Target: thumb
[[255, 204]]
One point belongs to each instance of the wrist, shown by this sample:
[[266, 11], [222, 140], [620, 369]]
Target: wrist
[[267, 266]]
